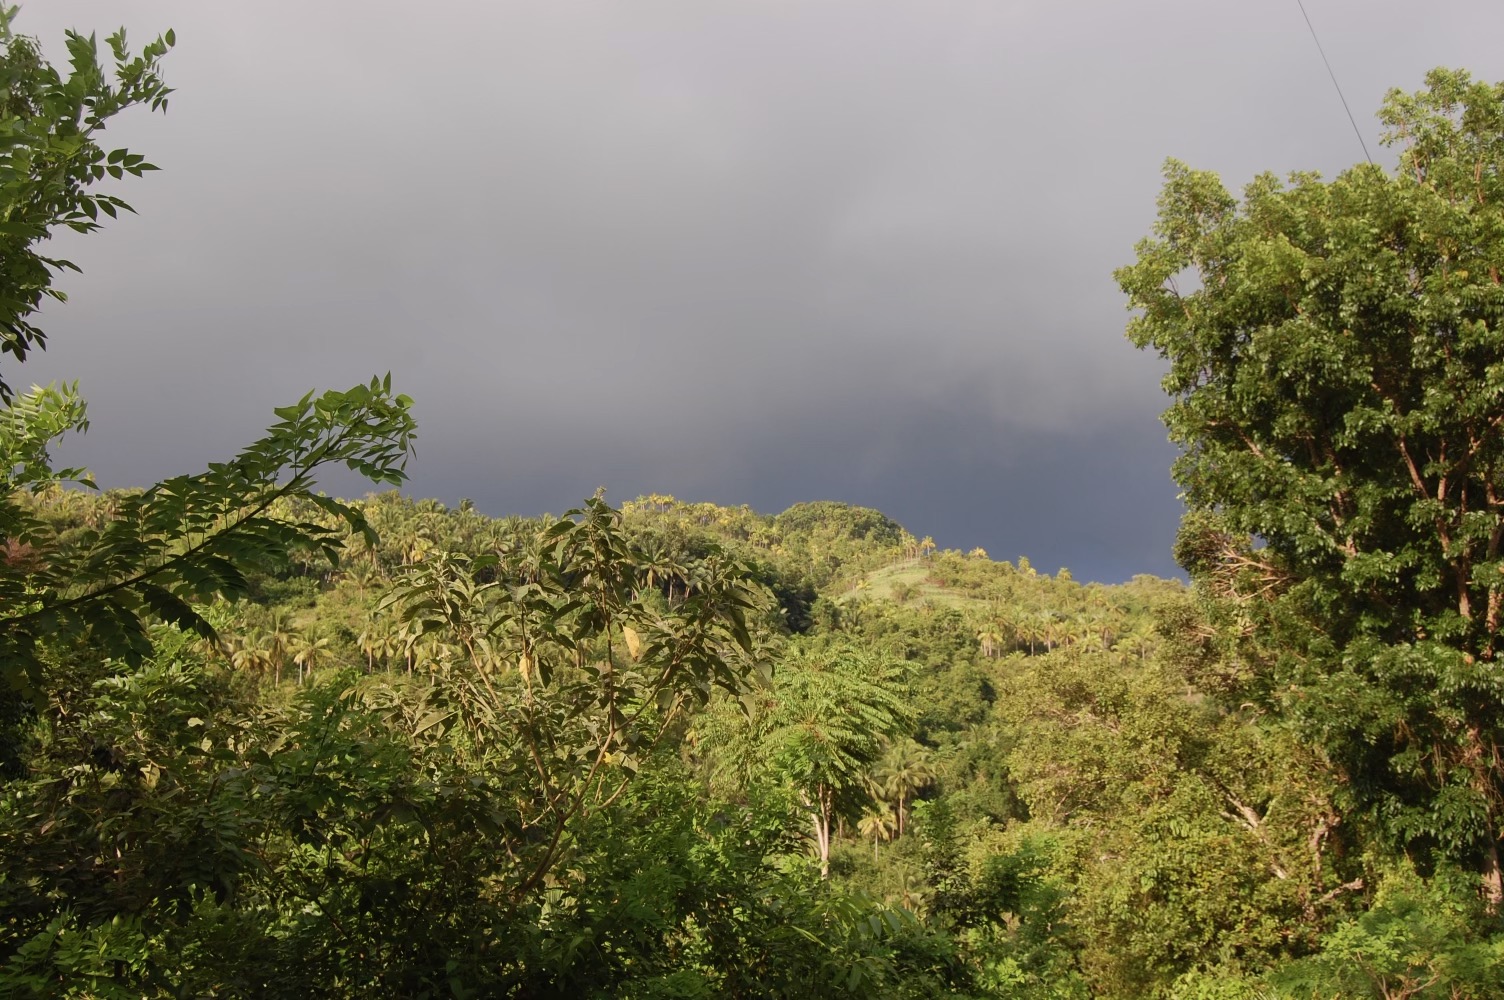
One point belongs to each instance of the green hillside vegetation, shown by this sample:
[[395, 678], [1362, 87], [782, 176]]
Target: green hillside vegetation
[[260, 742]]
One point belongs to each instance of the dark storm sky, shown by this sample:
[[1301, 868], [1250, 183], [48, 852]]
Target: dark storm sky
[[750, 252]]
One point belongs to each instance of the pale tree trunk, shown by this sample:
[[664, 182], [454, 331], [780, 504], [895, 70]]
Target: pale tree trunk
[[822, 814], [1493, 879]]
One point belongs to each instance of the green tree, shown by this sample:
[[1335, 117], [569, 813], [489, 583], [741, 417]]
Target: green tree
[[880, 822], [1334, 353], [565, 675], [905, 771], [50, 158], [308, 652], [990, 635], [281, 638], [374, 640], [836, 707], [1420, 938], [252, 653]]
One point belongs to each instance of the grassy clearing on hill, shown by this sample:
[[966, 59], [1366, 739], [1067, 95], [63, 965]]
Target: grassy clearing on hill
[[908, 582]]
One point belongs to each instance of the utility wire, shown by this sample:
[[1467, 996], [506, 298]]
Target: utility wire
[[1335, 84]]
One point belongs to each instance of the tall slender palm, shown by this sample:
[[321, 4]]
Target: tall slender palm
[[910, 545], [674, 571], [308, 653], [1050, 629], [363, 575], [281, 635], [1138, 639], [990, 635], [880, 823], [371, 640]]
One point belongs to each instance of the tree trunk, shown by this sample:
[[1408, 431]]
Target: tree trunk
[[1493, 879], [822, 828], [822, 842]]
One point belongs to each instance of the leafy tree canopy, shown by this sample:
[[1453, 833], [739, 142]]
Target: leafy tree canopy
[[50, 157], [1336, 360]]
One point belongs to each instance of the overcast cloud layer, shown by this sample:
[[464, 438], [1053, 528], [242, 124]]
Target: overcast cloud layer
[[751, 252]]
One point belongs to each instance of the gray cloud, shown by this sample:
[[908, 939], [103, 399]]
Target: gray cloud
[[750, 252]]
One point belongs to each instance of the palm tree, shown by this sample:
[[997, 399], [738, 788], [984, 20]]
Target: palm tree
[[1028, 629], [363, 575], [990, 635], [280, 637], [905, 772], [674, 572], [910, 545], [879, 823], [307, 653], [251, 653], [654, 561], [1050, 629], [1138, 639], [372, 640]]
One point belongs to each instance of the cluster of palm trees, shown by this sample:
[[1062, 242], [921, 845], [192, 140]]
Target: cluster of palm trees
[[274, 648], [385, 642], [914, 549], [663, 567], [1048, 629], [905, 770]]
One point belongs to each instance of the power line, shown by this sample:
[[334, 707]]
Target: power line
[[1335, 84]]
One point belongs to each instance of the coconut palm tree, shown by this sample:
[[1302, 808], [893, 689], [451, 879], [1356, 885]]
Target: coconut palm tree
[[307, 653], [280, 637], [880, 823], [906, 771], [1139, 639], [909, 544], [372, 640], [363, 575], [1051, 629], [653, 560], [990, 635], [251, 653]]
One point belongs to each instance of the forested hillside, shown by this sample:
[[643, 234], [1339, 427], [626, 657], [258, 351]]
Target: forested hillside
[[256, 741]]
